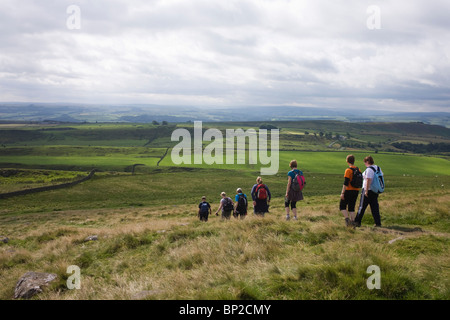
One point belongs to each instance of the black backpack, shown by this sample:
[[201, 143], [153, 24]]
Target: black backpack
[[357, 180], [242, 204], [228, 205]]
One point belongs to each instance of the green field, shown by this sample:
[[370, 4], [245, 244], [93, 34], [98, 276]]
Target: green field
[[152, 246]]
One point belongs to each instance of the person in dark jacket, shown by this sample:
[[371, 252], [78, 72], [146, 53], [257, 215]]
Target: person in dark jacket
[[241, 204], [261, 197]]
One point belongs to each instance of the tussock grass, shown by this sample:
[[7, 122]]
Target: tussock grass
[[150, 241], [316, 257]]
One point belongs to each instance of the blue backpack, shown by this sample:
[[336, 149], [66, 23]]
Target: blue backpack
[[377, 185], [204, 207]]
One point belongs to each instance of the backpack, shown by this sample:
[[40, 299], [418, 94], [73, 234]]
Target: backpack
[[357, 180], [242, 204], [261, 192], [204, 207], [377, 185], [298, 182], [228, 205]]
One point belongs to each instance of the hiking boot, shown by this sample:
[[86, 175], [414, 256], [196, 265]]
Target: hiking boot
[[377, 225], [347, 222], [356, 224], [295, 218], [288, 218]]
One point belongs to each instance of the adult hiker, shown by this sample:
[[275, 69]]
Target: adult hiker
[[293, 189], [261, 197], [227, 206], [241, 204], [353, 181], [204, 210], [370, 196]]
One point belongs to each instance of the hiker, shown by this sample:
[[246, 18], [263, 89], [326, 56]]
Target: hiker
[[370, 197], [261, 197], [227, 206], [350, 189], [204, 210], [293, 190], [241, 204]]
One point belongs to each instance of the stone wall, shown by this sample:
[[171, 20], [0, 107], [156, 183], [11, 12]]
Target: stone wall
[[46, 188]]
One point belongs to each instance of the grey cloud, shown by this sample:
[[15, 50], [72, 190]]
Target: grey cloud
[[228, 52]]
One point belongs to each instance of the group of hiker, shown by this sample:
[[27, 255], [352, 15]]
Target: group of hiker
[[371, 182], [239, 207]]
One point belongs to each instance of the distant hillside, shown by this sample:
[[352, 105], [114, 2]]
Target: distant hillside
[[64, 112]]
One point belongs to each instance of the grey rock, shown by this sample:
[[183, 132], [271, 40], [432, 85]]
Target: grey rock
[[31, 283], [396, 239], [91, 238], [4, 239]]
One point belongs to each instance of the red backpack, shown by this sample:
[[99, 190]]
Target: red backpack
[[261, 192]]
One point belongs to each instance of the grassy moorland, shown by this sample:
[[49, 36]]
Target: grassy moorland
[[151, 240], [152, 246]]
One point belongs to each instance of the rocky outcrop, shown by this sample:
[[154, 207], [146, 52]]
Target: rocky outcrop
[[32, 283]]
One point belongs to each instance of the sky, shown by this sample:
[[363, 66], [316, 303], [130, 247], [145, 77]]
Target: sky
[[378, 54]]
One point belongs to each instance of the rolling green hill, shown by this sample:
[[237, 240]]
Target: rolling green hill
[[152, 246]]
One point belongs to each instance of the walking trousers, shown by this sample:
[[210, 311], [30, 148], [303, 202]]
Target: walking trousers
[[372, 200]]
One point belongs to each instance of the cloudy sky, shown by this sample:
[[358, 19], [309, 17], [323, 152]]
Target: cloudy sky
[[383, 54]]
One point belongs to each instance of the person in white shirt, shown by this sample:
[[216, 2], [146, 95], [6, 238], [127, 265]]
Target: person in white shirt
[[370, 197]]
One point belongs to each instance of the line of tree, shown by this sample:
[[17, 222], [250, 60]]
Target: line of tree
[[268, 126], [156, 123], [423, 148]]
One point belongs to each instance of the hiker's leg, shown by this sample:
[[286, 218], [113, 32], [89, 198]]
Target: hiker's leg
[[343, 207], [353, 196], [375, 208], [286, 207], [352, 215], [360, 216], [294, 208]]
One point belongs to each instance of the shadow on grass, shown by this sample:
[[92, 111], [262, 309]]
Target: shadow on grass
[[404, 229]]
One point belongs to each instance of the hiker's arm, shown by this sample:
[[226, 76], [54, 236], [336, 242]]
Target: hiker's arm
[[288, 185], [254, 195], [344, 188], [369, 182], [220, 207], [268, 193]]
